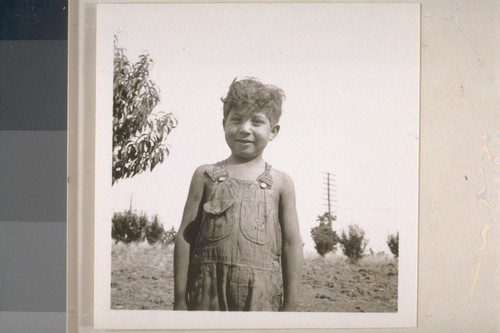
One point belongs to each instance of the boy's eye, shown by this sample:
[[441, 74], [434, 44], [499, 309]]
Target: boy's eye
[[259, 120]]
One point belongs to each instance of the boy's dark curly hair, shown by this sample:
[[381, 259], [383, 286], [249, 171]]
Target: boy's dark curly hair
[[251, 93]]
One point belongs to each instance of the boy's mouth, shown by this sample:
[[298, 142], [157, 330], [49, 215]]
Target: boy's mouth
[[243, 141]]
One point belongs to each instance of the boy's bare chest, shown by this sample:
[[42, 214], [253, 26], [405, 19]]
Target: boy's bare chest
[[239, 172], [243, 190]]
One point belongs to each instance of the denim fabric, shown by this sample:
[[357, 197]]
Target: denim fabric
[[236, 259]]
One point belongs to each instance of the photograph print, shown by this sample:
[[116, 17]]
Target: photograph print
[[254, 161]]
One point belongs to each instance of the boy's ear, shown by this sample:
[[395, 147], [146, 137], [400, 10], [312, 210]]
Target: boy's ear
[[274, 131]]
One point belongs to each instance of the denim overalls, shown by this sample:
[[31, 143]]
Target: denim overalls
[[235, 263]]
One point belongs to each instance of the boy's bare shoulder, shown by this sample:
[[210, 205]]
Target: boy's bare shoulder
[[202, 172], [282, 180], [202, 169]]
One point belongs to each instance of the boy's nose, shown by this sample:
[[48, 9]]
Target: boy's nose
[[245, 127]]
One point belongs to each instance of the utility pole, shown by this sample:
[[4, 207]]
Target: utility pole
[[330, 189]]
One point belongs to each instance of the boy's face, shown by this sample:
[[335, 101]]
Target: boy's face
[[248, 132]]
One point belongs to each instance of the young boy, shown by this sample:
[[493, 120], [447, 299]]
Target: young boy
[[238, 247]]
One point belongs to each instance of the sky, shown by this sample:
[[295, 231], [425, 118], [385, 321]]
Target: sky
[[351, 79]]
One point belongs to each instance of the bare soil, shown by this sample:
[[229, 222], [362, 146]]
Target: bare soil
[[331, 284], [142, 278]]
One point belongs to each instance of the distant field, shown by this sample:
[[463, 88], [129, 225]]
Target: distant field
[[142, 278]]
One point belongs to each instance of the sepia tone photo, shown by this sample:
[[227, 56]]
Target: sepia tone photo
[[257, 158]]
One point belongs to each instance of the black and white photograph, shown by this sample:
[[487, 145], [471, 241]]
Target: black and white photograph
[[256, 165]]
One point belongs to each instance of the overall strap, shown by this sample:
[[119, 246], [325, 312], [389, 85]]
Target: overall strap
[[265, 179], [219, 172]]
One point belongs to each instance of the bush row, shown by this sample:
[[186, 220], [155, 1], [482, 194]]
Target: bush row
[[352, 243], [130, 227]]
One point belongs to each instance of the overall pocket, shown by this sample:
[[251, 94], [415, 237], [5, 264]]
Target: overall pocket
[[217, 222], [257, 220]]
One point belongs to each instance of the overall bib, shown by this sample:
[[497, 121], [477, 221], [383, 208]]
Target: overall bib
[[235, 262]]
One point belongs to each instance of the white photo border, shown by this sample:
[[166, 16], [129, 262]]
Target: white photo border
[[105, 318]]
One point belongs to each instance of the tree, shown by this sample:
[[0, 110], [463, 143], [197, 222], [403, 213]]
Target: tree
[[139, 134], [154, 231], [354, 243], [325, 239], [128, 227], [393, 243]]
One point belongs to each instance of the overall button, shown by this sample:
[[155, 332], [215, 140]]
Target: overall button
[[263, 185], [222, 178]]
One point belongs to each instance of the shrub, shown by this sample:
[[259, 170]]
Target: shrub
[[354, 243], [128, 227], [393, 243], [169, 237], [325, 239], [154, 231]]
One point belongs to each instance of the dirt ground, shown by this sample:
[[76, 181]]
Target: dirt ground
[[330, 284], [142, 278]]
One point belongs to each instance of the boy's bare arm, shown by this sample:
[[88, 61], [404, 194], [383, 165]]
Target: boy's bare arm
[[292, 245], [181, 250]]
